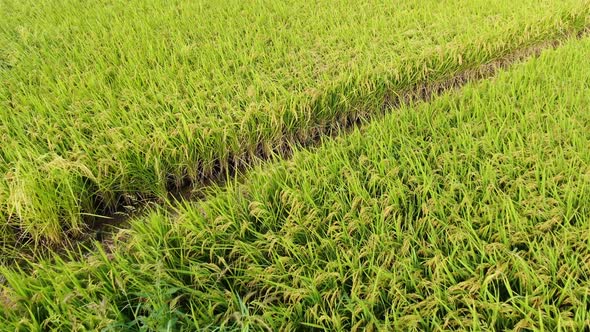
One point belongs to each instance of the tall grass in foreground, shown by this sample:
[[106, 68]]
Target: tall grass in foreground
[[101, 99], [470, 212]]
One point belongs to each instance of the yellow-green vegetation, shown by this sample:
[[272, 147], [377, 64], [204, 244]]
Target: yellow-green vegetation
[[105, 100], [469, 212]]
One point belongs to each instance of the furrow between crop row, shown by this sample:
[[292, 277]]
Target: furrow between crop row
[[190, 189], [101, 227], [100, 224]]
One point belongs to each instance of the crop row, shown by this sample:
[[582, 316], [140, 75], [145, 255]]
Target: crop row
[[468, 212], [103, 101]]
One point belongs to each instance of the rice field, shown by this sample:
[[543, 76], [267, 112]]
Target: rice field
[[469, 212], [354, 165], [106, 103]]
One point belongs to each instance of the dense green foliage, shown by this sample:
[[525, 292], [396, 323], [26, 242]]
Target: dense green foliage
[[469, 212], [102, 99]]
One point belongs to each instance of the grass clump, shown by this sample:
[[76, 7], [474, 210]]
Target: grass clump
[[100, 102], [469, 212]]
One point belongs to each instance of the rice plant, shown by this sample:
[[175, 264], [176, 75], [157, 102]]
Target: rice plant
[[470, 212], [105, 101]]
